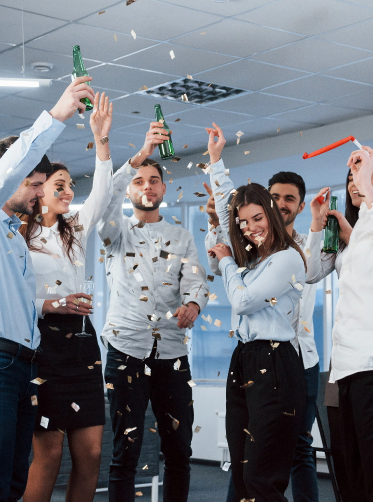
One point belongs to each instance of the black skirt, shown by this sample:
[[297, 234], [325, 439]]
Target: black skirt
[[73, 394]]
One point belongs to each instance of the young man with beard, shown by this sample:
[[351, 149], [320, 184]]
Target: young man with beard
[[288, 190], [158, 288], [23, 168]]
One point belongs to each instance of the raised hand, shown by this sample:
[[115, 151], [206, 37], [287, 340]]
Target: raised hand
[[345, 228], [319, 206], [215, 147], [154, 137], [210, 207], [102, 116], [69, 102]]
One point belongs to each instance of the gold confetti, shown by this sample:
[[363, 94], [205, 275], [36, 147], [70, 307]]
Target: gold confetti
[[143, 298], [145, 468], [300, 132], [217, 323], [107, 242], [197, 429], [290, 414], [263, 371], [133, 33], [213, 296], [210, 278], [10, 235], [247, 152], [101, 12], [54, 328], [251, 436], [69, 335], [34, 400], [78, 228], [89, 146], [195, 269], [172, 54], [115, 37], [175, 159], [130, 429], [248, 384], [199, 194], [177, 120], [78, 263], [27, 182], [185, 146], [328, 292], [184, 98], [206, 152], [308, 252], [110, 386], [80, 126], [231, 333], [129, 378], [90, 367], [138, 494], [130, 144], [278, 129], [190, 77], [38, 381], [191, 383], [75, 407]]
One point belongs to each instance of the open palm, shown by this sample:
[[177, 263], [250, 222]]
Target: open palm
[[101, 117]]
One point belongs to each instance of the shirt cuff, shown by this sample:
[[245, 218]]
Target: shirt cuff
[[39, 307], [104, 164], [224, 262]]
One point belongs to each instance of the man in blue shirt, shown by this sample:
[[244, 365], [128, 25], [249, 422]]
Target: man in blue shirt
[[21, 184]]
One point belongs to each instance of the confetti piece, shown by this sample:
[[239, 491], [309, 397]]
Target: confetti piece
[[278, 129], [239, 134], [190, 77], [197, 429], [184, 98], [247, 152], [263, 371], [133, 33], [139, 494], [34, 400], [89, 146], [38, 381], [169, 315], [10, 235], [189, 165], [55, 305], [78, 228], [251, 436], [115, 37], [44, 209], [328, 292], [80, 126], [145, 467], [298, 286], [203, 328], [231, 333], [226, 466], [107, 242], [246, 385], [248, 247], [78, 263], [143, 298], [300, 132], [75, 407], [44, 422], [240, 269], [147, 370], [101, 12], [130, 429], [290, 414], [213, 296], [217, 323], [172, 54], [195, 269], [206, 152], [199, 194], [54, 328]]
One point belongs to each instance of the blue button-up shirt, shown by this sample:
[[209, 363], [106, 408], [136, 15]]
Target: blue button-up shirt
[[18, 318]]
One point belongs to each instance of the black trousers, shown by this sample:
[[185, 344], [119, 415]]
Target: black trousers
[[266, 398], [356, 422], [171, 399], [338, 455]]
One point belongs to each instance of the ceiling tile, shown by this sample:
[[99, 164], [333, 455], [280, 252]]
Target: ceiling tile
[[323, 114], [202, 117], [316, 88], [313, 18], [95, 43], [250, 75], [222, 37], [22, 107], [68, 9], [34, 25], [151, 19], [266, 127], [355, 36], [305, 55], [187, 61], [258, 104], [10, 124], [220, 8], [358, 72], [145, 106], [362, 100], [122, 79]]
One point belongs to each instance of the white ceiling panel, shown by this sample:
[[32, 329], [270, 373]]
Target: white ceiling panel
[[202, 117], [316, 88], [21, 107], [34, 25], [352, 36], [258, 104], [124, 79], [95, 43], [267, 127], [250, 75], [358, 72], [10, 124], [231, 8], [361, 100], [187, 61], [305, 55], [220, 37], [322, 114], [67, 10], [142, 18], [145, 106], [11, 63], [308, 18]]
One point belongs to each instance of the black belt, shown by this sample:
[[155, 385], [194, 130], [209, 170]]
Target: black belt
[[17, 349]]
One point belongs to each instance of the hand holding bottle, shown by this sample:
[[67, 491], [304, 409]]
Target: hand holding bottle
[[154, 137], [69, 102], [319, 206], [215, 147], [345, 228]]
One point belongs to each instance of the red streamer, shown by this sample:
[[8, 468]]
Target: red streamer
[[329, 147]]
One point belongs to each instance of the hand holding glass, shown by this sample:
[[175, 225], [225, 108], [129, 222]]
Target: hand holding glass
[[88, 288]]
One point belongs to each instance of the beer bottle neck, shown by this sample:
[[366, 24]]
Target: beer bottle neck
[[158, 113], [333, 203], [78, 60]]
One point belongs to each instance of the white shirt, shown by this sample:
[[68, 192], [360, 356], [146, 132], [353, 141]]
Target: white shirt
[[352, 332], [320, 264], [303, 311], [159, 263], [253, 317], [56, 265]]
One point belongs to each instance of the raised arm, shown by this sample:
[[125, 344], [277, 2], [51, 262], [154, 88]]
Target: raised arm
[[102, 189]]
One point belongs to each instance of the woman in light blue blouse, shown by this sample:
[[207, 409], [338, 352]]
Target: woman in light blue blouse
[[265, 386]]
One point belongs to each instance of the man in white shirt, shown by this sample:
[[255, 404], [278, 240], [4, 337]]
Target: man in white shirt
[[352, 354], [288, 189], [23, 168], [158, 288]]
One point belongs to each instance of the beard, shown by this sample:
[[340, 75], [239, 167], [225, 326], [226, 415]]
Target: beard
[[20, 206], [141, 207], [289, 218]]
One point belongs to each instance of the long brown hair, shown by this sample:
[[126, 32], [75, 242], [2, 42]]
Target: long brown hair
[[65, 226], [278, 238]]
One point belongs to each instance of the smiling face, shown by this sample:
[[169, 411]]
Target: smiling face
[[25, 198], [354, 192], [287, 199], [146, 187], [256, 223], [58, 183]]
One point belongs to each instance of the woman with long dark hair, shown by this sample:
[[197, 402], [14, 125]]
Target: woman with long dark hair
[[264, 280], [71, 396], [319, 265]]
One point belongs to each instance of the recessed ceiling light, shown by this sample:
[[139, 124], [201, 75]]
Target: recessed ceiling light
[[41, 66], [135, 112]]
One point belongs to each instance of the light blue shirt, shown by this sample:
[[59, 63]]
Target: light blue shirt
[[264, 298], [18, 318]]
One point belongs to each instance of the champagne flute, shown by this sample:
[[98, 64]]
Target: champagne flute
[[88, 288]]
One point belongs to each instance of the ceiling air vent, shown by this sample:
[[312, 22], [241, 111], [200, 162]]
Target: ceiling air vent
[[196, 91]]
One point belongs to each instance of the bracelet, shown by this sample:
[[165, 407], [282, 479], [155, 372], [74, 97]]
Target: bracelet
[[104, 140]]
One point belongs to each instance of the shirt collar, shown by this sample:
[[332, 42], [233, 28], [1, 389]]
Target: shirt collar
[[12, 221], [47, 231], [160, 223]]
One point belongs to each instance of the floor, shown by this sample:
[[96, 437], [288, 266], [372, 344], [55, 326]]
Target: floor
[[208, 484]]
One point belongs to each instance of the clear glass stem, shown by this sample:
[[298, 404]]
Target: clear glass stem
[[83, 330]]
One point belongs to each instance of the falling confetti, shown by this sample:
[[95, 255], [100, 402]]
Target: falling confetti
[[80, 126], [172, 54], [133, 33]]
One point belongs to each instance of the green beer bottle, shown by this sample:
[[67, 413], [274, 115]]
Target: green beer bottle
[[166, 149], [331, 239], [80, 71]]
